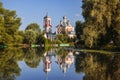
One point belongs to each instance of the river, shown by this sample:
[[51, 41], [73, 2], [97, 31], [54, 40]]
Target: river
[[58, 64]]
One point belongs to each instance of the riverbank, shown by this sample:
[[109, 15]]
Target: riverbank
[[96, 51], [105, 50]]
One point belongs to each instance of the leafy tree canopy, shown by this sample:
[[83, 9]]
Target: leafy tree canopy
[[34, 26]]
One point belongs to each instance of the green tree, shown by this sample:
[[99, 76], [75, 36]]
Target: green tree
[[116, 22], [9, 25], [101, 22], [90, 36], [93, 12], [35, 27], [41, 39], [29, 37], [60, 37], [79, 29], [64, 38]]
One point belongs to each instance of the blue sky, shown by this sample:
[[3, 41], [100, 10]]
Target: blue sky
[[34, 10]]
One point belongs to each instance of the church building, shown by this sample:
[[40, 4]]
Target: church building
[[65, 25], [47, 24]]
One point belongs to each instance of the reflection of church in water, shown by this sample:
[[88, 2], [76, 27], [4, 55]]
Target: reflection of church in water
[[64, 64], [47, 61]]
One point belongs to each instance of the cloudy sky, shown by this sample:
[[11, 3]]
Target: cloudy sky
[[34, 10]]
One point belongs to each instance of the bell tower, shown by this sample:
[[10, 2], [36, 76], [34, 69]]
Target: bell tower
[[47, 24]]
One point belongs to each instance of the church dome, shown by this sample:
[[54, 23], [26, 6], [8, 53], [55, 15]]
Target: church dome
[[64, 17], [47, 16]]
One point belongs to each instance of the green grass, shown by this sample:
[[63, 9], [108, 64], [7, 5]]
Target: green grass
[[96, 51]]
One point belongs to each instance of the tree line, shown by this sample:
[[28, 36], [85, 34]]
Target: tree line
[[101, 25], [10, 33]]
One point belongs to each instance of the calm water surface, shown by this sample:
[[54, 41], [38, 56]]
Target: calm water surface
[[58, 64]]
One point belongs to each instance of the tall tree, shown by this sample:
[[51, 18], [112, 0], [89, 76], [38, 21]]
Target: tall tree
[[34, 26], [29, 37], [36, 29], [101, 20], [9, 25], [79, 29], [116, 22], [93, 11]]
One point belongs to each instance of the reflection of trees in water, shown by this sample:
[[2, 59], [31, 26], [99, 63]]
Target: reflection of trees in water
[[113, 69], [79, 62], [32, 58], [8, 63], [9, 68], [62, 53], [40, 51], [99, 66], [95, 67]]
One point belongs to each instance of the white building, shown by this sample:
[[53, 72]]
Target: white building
[[47, 24], [66, 26]]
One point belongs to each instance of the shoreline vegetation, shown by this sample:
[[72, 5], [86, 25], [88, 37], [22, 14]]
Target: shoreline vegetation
[[96, 51], [103, 51]]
